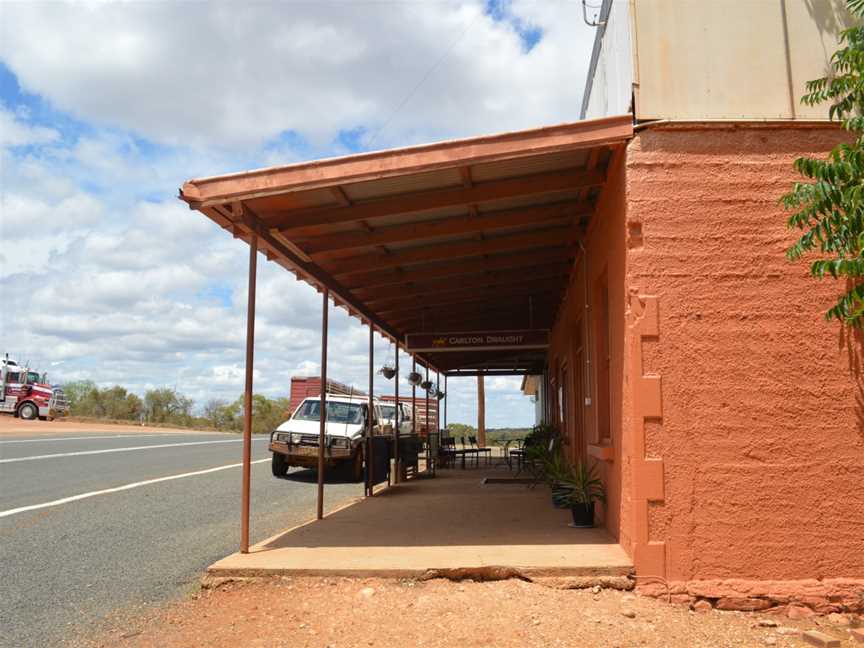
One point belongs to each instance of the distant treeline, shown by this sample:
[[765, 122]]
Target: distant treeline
[[166, 406], [493, 436]]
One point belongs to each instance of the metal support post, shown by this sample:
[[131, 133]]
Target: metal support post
[[428, 431], [247, 396], [446, 394], [322, 426], [396, 463], [369, 463]]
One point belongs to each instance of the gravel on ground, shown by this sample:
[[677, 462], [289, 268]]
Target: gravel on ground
[[359, 613]]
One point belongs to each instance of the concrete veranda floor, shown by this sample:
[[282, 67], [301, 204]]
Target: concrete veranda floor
[[451, 521]]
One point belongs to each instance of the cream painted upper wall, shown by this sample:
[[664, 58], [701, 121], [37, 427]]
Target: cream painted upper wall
[[611, 65], [732, 59], [712, 59]]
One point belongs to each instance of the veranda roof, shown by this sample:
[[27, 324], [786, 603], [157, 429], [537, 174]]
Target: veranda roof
[[464, 235]]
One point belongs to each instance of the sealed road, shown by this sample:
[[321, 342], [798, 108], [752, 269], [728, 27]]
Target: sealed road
[[93, 526]]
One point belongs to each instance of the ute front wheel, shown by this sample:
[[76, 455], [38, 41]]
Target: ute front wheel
[[357, 466], [28, 412], [279, 465]]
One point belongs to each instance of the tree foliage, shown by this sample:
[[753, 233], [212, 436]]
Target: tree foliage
[[267, 414], [166, 406], [829, 206], [86, 399]]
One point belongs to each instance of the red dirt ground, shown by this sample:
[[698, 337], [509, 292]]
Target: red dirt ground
[[359, 613], [11, 426]]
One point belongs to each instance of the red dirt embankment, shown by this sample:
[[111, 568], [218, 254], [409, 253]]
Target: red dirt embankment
[[11, 426]]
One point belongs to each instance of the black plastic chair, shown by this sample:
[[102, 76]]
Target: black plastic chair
[[469, 451], [447, 452], [486, 452], [515, 455]]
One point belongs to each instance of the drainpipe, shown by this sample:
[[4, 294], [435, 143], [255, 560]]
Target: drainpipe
[[587, 346]]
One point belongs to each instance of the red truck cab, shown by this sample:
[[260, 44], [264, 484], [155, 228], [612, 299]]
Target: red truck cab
[[27, 395]]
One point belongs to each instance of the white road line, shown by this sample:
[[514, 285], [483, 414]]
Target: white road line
[[109, 436], [127, 449], [106, 491]]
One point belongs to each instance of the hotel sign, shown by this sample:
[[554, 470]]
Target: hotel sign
[[477, 341]]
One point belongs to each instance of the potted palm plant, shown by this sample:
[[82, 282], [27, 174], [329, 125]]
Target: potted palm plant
[[587, 489], [556, 471]]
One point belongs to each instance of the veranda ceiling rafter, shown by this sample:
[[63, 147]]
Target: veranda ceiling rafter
[[457, 292], [247, 223], [306, 222], [323, 246], [375, 280], [501, 296], [429, 288], [508, 243]]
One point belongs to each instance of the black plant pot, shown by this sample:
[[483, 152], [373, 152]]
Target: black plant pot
[[583, 515]]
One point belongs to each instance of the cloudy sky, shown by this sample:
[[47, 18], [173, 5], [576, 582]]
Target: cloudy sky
[[107, 107]]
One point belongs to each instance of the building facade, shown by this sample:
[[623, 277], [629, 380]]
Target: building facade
[[689, 358], [686, 356]]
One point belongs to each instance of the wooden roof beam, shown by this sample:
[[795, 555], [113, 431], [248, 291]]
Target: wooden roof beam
[[304, 222], [510, 243], [393, 298], [471, 318], [498, 306], [471, 373], [320, 246], [340, 196], [249, 223], [502, 296], [417, 288], [376, 279]]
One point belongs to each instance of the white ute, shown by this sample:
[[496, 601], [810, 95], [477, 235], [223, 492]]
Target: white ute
[[295, 442], [388, 410]]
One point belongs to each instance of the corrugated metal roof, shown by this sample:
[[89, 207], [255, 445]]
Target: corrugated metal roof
[[406, 184], [528, 165]]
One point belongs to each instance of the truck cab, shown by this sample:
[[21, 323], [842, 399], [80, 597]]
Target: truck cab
[[26, 394], [295, 442]]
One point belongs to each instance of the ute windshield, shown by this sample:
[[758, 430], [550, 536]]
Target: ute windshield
[[388, 411], [347, 413]]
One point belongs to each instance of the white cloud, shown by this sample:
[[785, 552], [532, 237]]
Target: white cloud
[[15, 131], [33, 228], [103, 269], [242, 74]]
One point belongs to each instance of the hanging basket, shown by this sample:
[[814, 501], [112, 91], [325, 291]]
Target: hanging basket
[[439, 395], [426, 384], [414, 378], [389, 368]]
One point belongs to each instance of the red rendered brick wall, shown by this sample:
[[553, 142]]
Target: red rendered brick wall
[[606, 253], [762, 429]]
